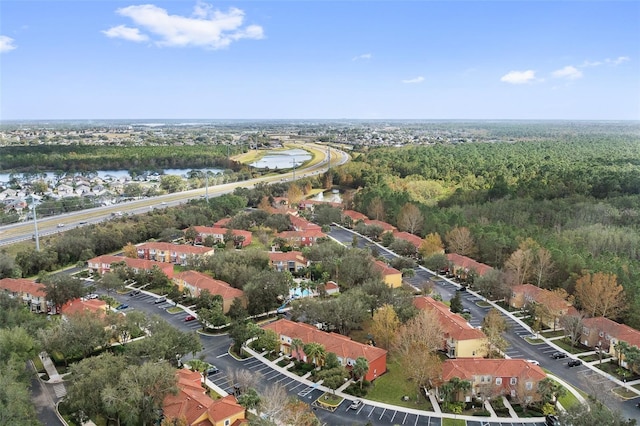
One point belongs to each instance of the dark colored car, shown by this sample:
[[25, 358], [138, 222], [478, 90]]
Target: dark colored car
[[134, 293], [574, 362], [212, 370], [189, 318], [551, 420], [122, 307], [463, 288], [558, 355]]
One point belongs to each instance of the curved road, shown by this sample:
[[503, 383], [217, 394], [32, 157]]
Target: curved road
[[23, 231]]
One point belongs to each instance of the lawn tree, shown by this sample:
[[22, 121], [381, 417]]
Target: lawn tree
[[165, 342], [451, 390], [493, 325], [572, 325], [384, 326], [273, 402], [599, 294], [360, 369], [436, 262], [550, 390], [299, 413], [493, 285], [110, 282], [60, 289], [250, 399], [422, 335], [455, 304], [593, 414], [171, 183], [190, 234], [621, 349], [526, 392], [377, 294], [294, 194], [17, 344], [403, 248], [86, 381], [16, 407], [519, 266], [213, 316], [243, 380], [140, 391], [265, 290], [237, 310], [431, 244], [460, 241], [77, 337], [240, 331], [543, 266], [130, 251], [410, 218], [267, 340]]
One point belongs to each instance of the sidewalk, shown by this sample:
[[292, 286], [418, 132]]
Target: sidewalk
[[54, 376]]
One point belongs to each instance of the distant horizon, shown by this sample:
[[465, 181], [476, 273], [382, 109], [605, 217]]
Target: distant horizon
[[376, 60]]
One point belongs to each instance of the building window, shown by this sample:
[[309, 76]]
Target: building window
[[529, 385], [513, 380], [227, 422], [498, 380]]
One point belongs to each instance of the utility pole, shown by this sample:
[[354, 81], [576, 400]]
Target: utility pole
[[294, 168], [328, 158], [35, 223]]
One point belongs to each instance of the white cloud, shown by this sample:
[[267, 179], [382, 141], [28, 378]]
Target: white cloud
[[127, 33], [363, 56], [569, 72], [207, 27], [419, 79], [6, 44], [619, 60], [519, 77], [615, 62]]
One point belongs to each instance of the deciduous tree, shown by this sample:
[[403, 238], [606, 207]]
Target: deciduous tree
[[460, 241], [384, 326], [493, 326], [600, 294], [376, 209], [431, 244], [410, 218]]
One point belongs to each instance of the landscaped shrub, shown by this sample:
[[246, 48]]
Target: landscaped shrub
[[483, 413], [355, 390], [283, 362]]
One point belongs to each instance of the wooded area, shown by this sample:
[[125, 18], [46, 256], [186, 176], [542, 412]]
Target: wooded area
[[576, 198]]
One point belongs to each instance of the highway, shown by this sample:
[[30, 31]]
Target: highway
[[24, 231]]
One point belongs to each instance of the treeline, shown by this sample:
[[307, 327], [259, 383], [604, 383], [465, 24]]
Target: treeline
[[76, 158], [577, 198]]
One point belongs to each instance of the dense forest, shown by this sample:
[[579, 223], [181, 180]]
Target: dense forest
[[78, 158], [577, 197]]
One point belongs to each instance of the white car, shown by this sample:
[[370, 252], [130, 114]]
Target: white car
[[355, 404], [61, 225], [533, 361]]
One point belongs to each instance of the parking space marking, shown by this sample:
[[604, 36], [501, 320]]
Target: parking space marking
[[384, 410], [372, 408], [394, 415], [405, 417]]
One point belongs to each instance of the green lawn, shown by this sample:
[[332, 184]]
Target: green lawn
[[567, 347], [568, 400], [483, 304], [174, 310], [552, 333], [453, 422], [392, 386], [533, 341], [624, 392]]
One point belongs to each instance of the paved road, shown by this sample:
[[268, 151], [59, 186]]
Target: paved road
[[43, 395]]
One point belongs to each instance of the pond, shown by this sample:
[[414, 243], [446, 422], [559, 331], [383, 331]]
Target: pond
[[332, 196], [282, 159]]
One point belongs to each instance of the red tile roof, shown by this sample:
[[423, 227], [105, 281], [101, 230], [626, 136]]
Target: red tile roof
[[384, 225], [222, 223], [354, 215], [289, 256], [178, 248], [616, 330], [302, 224], [385, 269], [192, 402], [454, 325], [468, 264], [467, 368], [23, 286], [205, 282], [541, 295], [79, 305], [141, 264], [300, 234], [340, 345], [207, 230], [413, 239]]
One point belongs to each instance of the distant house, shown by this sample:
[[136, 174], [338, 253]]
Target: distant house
[[606, 334], [490, 378], [386, 227], [222, 223], [464, 267], [330, 287], [461, 340], [346, 349], [30, 292], [103, 264], [301, 238], [291, 261], [196, 282], [218, 234], [171, 253], [391, 276], [351, 217], [196, 408]]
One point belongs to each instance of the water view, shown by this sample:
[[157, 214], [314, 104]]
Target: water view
[[282, 159]]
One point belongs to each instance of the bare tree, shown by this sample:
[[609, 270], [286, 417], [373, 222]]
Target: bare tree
[[376, 209], [245, 379], [410, 218], [493, 326], [273, 402], [460, 241], [519, 266], [543, 266]]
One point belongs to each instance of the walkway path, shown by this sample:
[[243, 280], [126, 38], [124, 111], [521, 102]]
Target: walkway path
[[507, 404]]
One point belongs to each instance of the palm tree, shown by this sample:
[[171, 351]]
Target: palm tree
[[621, 348], [296, 345], [360, 369], [550, 390], [316, 352]]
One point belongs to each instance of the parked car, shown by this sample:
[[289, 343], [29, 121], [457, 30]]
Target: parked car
[[574, 362], [61, 225], [463, 288], [92, 296], [212, 370], [355, 404], [551, 420], [558, 355], [466, 311], [160, 300], [122, 307], [533, 361], [189, 318], [134, 293]]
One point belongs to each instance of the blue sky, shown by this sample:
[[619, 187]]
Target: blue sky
[[128, 59]]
